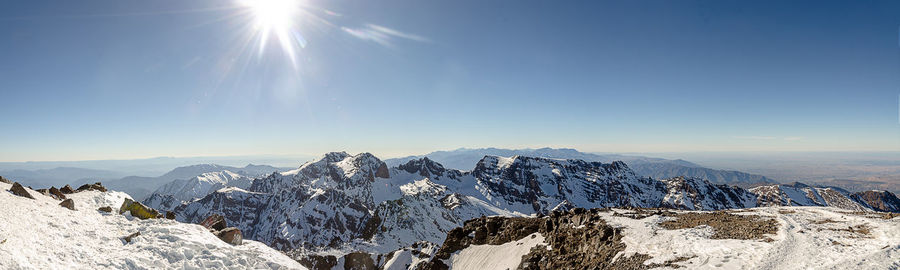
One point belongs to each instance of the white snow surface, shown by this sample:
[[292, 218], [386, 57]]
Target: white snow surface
[[39, 234], [505, 256], [800, 242]]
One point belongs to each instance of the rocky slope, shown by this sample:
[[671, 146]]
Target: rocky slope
[[757, 238]]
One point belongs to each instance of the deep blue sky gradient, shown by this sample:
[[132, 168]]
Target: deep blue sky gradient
[[131, 79]]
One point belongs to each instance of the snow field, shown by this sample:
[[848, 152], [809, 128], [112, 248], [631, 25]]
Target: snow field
[[39, 234]]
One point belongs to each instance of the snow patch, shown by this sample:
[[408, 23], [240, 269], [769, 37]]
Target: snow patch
[[505, 256]]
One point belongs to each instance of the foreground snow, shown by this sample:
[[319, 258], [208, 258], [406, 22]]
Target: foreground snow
[[505, 256], [39, 234], [808, 238]]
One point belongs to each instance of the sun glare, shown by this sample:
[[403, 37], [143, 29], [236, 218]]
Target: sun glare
[[275, 18]]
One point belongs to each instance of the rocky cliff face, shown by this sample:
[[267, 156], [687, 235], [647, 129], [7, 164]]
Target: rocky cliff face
[[879, 200], [699, 194]]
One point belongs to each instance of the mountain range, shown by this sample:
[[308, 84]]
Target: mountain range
[[140, 187], [659, 168], [342, 204]]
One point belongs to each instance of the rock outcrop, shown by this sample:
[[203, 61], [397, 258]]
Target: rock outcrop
[[57, 193], [95, 186], [19, 190], [879, 200], [68, 203], [138, 210], [230, 235], [67, 189]]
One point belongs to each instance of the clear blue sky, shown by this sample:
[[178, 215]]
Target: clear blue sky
[[131, 79]]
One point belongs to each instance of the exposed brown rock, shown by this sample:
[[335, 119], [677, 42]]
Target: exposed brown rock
[[95, 186], [170, 215], [882, 201], [317, 262], [214, 222], [68, 203], [105, 209], [19, 190], [67, 189], [231, 235], [359, 261], [4, 180], [58, 194], [726, 225], [131, 236]]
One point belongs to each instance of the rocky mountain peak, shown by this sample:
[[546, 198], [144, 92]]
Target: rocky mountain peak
[[334, 156], [423, 166]]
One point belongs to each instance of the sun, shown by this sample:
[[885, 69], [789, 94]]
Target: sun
[[274, 18]]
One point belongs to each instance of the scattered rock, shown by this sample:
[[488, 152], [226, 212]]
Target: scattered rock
[[231, 235], [214, 222], [105, 209], [726, 225], [4, 180], [67, 189], [58, 194], [68, 203], [131, 236], [19, 190], [170, 215], [95, 186], [138, 210]]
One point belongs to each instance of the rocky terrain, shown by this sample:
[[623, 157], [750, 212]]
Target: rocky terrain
[[763, 238]]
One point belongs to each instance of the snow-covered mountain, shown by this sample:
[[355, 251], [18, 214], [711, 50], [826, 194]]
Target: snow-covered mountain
[[40, 234], [178, 192], [646, 166], [141, 187], [344, 203], [799, 194]]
